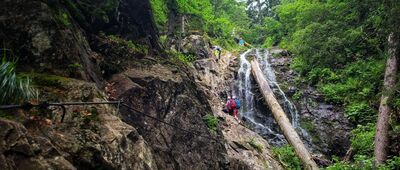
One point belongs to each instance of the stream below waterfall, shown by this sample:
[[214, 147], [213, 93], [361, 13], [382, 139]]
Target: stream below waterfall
[[253, 111]]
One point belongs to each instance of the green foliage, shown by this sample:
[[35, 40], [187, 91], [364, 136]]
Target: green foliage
[[340, 47], [355, 82], [14, 88], [392, 163], [6, 115], [75, 67], [330, 34], [64, 19], [361, 162], [46, 80], [362, 139], [360, 113], [215, 18], [159, 8], [274, 32], [297, 95], [253, 143], [307, 125], [136, 48], [287, 157], [321, 75], [183, 58], [212, 122]]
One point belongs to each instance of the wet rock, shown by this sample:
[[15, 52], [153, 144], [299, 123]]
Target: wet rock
[[241, 155], [328, 128], [291, 91]]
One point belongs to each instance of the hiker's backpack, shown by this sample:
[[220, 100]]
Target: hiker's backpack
[[237, 101], [232, 104]]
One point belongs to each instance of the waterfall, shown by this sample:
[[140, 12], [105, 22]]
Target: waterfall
[[253, 112]]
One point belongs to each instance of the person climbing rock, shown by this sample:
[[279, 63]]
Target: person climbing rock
[[214, 49], [217, 49], [232, 107]]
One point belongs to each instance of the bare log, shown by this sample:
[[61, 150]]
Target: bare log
[[281, 118]]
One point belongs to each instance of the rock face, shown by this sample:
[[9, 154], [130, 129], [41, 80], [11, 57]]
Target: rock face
[[172, 97], [92, 44], [87, 139], [196, 45], [53, 36], [215, 79], [325, 123]]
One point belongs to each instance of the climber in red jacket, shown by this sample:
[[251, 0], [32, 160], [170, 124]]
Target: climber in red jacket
[[231, 105]]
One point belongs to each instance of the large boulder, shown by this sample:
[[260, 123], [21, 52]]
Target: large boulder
[[196, 45], [171, 96]]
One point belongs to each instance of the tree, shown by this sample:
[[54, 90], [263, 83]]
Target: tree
[[382, 126], [381, 137], [258, 9], [172, 7]]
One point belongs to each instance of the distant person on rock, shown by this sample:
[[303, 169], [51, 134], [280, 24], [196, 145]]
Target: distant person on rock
[[241, 41], [232, 107], [215, 48]]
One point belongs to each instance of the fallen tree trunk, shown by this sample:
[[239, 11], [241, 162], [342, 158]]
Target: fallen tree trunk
[[290, 134]]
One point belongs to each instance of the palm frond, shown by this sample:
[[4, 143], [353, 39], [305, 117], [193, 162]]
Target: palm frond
[[14, 89]]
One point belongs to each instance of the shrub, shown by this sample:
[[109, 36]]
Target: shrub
[[297, 95], [212, 122], [360, 113], [287, 157], [356, 82], [392, 163], [184, 58], [362, 139], [64, 19], [321, 75], [361, 162], [14, 88]]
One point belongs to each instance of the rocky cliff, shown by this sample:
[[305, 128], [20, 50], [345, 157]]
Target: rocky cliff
[[328, 128], [108, 50]]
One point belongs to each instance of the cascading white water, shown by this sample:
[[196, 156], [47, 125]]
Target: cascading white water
[[289, 107], [257, 118]]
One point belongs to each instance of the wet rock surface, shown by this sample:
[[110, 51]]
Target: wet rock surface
[[329, 129]]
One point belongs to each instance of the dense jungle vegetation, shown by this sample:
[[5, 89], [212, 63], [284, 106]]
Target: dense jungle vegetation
[[338, 46]]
